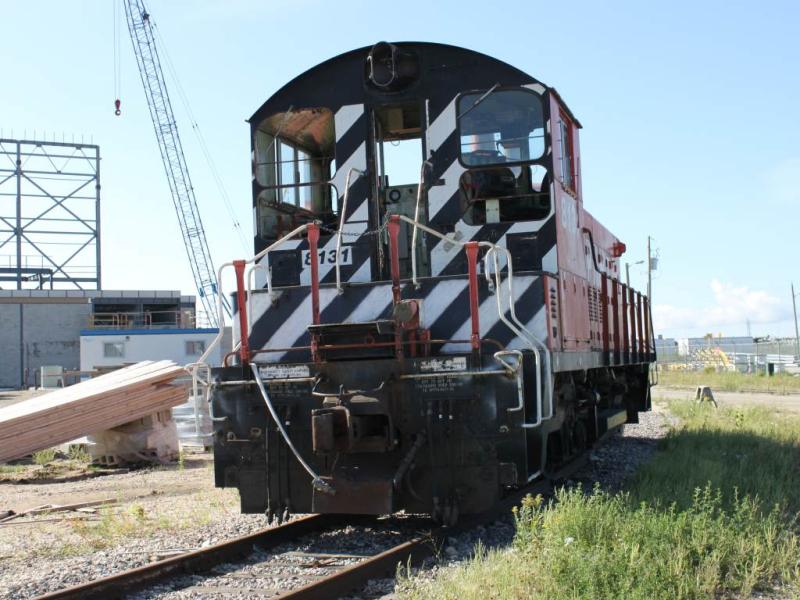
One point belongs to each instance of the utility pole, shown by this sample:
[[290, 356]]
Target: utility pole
[[796, 334], [649, 273], [628, 274]]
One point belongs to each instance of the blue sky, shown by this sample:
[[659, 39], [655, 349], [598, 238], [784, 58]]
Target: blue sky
[[689, 110]]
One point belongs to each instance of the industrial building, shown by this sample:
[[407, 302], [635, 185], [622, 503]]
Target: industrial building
[[81, 330]]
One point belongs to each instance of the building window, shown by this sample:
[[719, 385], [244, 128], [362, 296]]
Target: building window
[[195, 348], [567, 153], [503, 126], [113, 349]]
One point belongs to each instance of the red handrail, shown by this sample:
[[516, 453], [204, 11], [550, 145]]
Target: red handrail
[[244, 342], [472, 274], [394, 255]]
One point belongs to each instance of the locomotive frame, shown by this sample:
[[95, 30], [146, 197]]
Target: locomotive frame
[[423, 346]]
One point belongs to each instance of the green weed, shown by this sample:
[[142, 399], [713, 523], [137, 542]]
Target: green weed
[[79, 454], [6, 469], [42, 457], [712, 516]]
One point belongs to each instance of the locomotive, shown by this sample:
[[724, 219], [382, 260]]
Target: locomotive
[[431, 317]]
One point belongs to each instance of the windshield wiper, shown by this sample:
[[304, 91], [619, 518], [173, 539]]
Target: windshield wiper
[[479, 100]]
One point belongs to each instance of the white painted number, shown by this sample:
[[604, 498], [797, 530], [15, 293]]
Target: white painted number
[[328, 257]]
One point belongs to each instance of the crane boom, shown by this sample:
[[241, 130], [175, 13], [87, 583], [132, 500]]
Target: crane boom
[[169, 143]]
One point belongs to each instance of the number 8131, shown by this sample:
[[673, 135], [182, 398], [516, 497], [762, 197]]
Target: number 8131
[[328, 257]]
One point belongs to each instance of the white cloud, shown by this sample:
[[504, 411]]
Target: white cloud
[[733, 306]]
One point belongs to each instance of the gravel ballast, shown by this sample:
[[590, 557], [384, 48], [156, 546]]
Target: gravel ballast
[[26, 576]]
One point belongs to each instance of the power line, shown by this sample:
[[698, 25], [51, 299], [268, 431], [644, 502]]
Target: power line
[[201, 140]]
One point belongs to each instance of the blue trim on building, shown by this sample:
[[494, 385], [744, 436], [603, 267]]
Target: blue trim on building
[[152, 331]]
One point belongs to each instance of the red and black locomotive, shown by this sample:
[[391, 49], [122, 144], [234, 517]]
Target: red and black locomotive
[[432, 317]]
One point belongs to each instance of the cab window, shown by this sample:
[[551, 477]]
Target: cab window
[[294, 159], [505, 194], [502, 126], [567, 152]]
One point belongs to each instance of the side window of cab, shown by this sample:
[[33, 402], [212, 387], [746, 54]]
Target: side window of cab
[[502, 138], [566, 133]]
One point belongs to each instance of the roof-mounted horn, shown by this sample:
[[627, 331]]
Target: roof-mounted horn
[[390, 68]]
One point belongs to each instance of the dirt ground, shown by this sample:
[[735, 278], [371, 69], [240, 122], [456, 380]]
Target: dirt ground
[[173, 497], [65, 482]]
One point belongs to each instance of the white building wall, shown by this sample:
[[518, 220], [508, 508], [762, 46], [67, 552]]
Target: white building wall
[[146, 344]]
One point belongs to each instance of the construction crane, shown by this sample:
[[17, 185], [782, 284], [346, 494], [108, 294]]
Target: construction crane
[[169, 143]]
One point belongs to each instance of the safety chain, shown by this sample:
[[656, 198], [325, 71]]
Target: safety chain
[[333, 231], [380, 232]]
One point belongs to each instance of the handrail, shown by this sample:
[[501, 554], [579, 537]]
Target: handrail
[[521, 331], [193, 368], [588, 231], [416, 220], [517, 330], [515, 371], [142, 319], [542, 346], [342, 218]]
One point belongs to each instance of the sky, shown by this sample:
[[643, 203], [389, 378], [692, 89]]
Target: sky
[[689, 112]]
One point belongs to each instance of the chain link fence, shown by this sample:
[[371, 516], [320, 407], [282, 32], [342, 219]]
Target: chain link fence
[[768, 356]]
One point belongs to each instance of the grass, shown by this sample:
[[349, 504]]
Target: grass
[[754, 451], [713, 516], [42, 457], [116, 525], [10, 469], [731, 382], [78, 453], [49, 464]]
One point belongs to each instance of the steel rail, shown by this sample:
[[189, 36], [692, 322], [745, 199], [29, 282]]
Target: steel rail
[[124, 583]]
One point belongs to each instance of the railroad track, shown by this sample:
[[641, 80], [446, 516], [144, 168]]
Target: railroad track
[[245, 565]]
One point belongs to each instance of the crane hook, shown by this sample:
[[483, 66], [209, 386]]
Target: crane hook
[[117, 112]]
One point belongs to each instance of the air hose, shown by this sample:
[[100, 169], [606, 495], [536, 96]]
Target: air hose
[[316, 481]]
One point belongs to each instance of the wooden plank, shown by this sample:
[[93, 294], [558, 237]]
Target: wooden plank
[[50, 508], [115, 403], [64, 430], [52, 434], [101, 403], [163, 371], [123, 408], [76, 404]]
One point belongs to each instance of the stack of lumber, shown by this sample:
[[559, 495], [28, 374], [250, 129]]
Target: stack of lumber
[[94, 405]]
